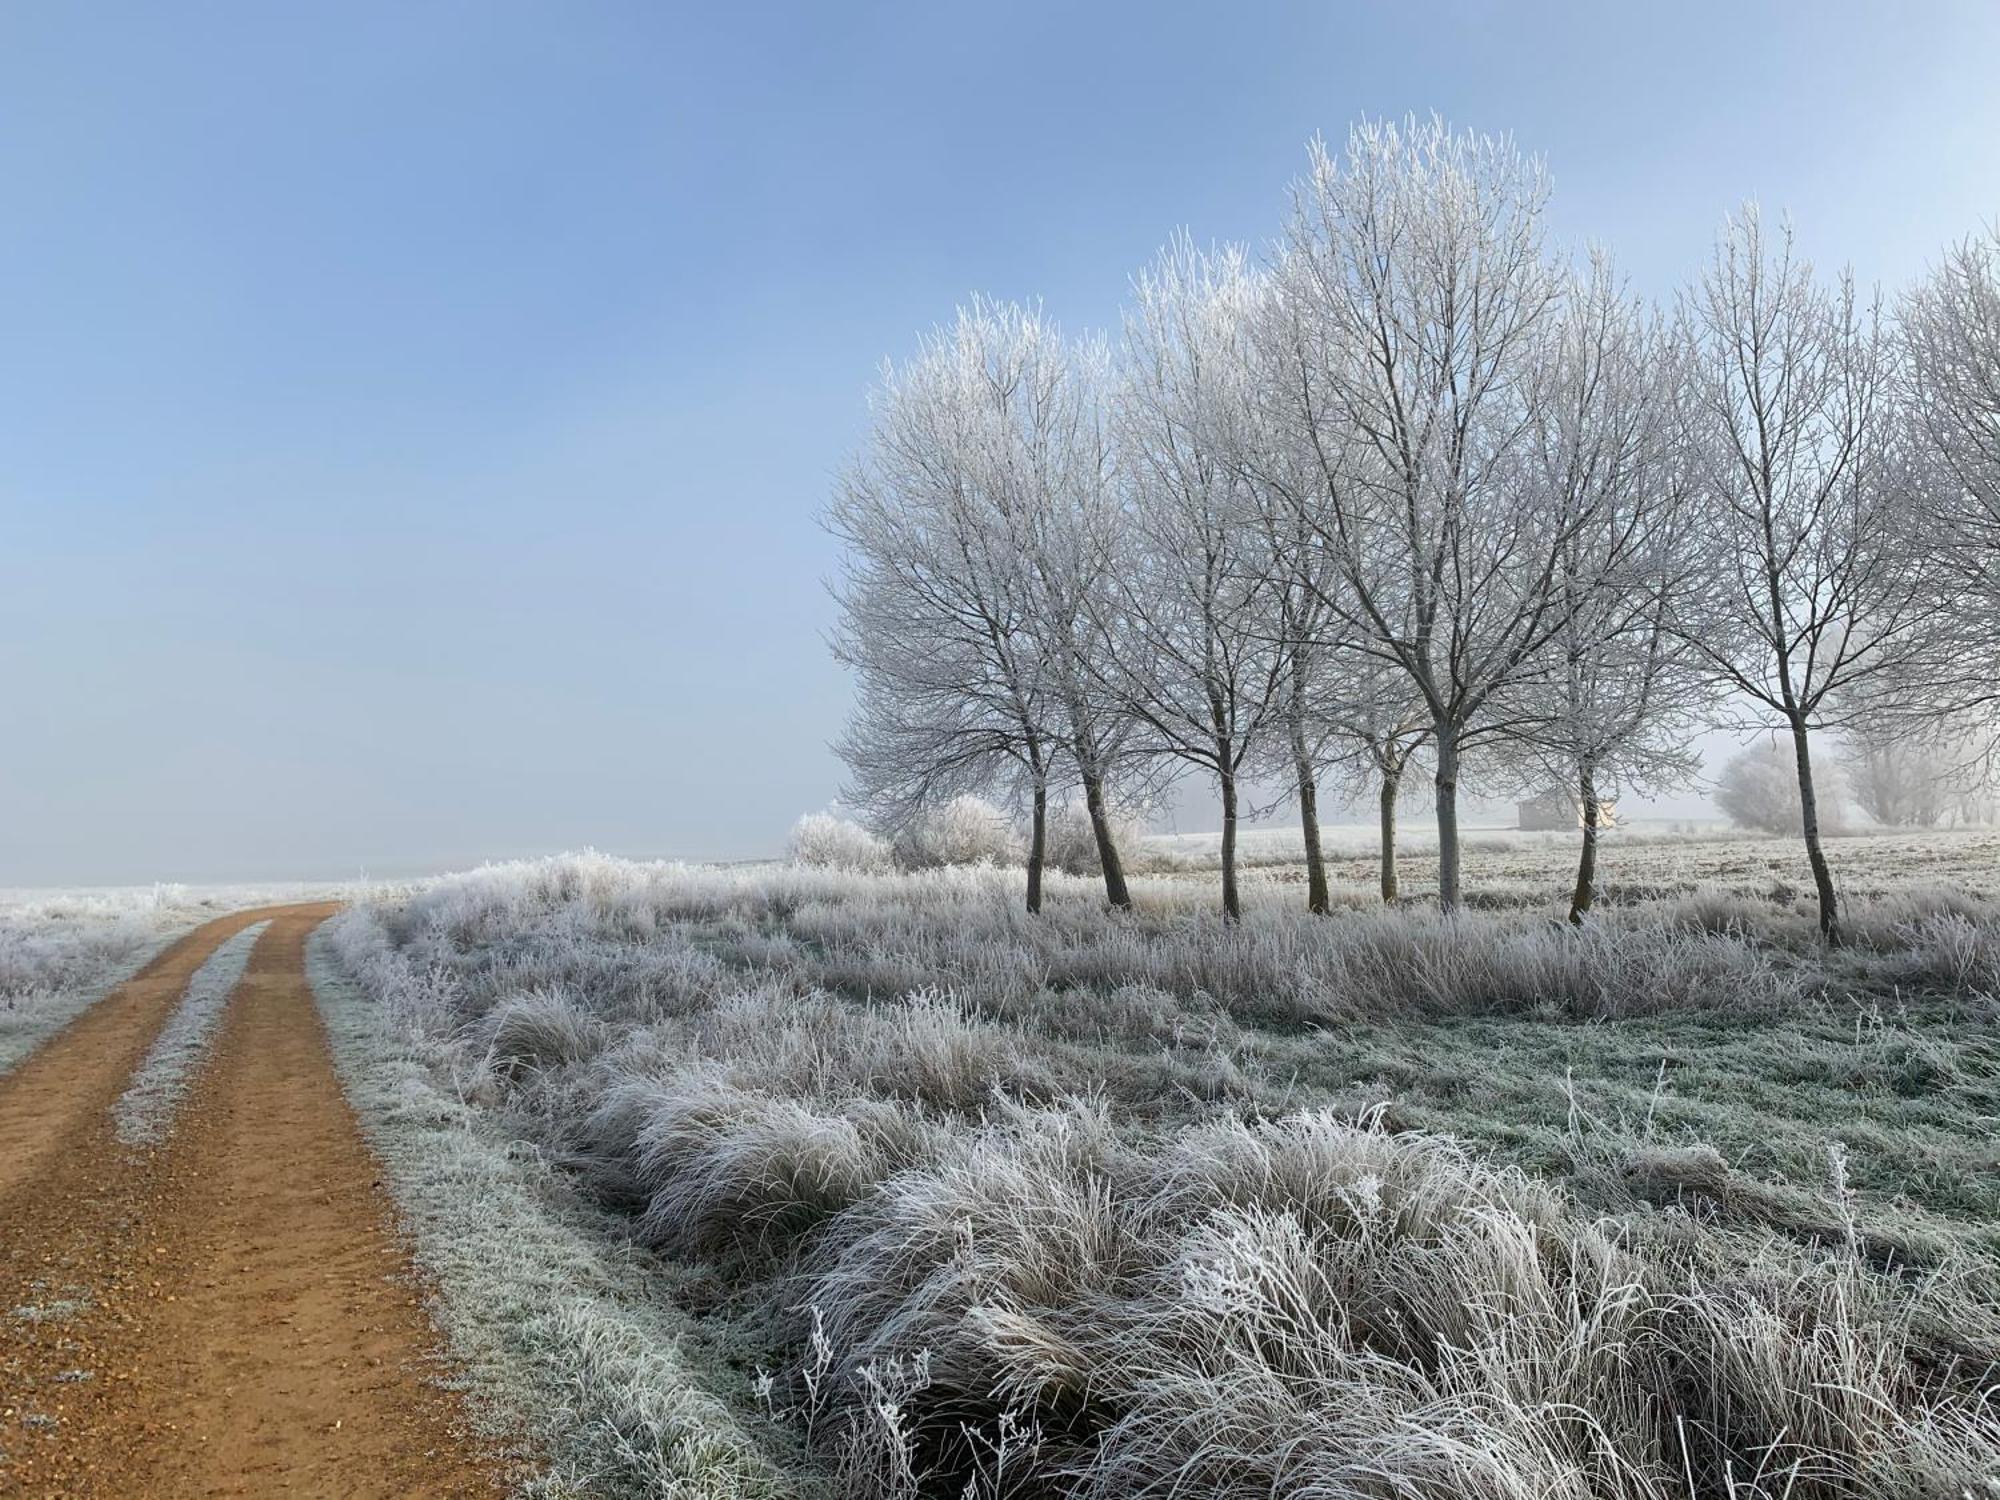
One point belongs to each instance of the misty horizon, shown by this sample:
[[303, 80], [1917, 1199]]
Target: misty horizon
[[420, 431]]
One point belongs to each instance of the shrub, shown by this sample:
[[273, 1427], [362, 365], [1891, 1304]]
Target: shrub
[[543, 1029], [1759, 788], [826, 841], [723, 1167], [964, 831], [1308, 1306]]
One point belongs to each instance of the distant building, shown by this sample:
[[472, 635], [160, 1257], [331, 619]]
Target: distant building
[[1556, 811]]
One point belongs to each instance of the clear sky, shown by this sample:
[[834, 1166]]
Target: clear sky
[[413, 416]]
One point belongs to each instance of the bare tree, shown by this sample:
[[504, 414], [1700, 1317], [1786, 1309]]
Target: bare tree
[[1311, 659], [1414, 302], [937, 601], [1934, 775], [1202, 657], [1058, 467], [1893, 780], [1281, 475], [1344, 713], [1383, 724], [1613, 701], [1419, 491], [1950, 326], [1815, 586]]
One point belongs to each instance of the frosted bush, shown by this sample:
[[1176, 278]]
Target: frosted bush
[[826, 841], [724, 1166], [543, 1029], [1309, 1306], [964, 831], [1759, 789]]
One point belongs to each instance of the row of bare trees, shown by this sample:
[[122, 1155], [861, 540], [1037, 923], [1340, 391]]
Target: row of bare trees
[[1413, 486]]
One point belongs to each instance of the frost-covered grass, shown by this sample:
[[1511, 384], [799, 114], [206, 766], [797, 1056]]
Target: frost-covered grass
[[561, 1333], [1280, 842], [61, 951], [145, 1111], [1639, 861], [1381, 1204]]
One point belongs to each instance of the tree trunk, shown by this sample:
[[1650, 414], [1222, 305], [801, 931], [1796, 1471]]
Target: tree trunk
[[1318, 900], [1392, 785], [1450, 893], [1232, 899], [1107, 848], [1829, 902], [1586, 865], [1038, 844]]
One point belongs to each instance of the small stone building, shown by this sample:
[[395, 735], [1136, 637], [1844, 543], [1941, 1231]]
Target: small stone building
[[1556, 811]]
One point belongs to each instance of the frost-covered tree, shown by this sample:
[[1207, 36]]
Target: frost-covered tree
[[1613, 702], [1815, 582], [1342, 715], [1414, 301], [938, 597], [1950, 326], [1936, 774], [1312, 664], [1300, 745], [1416, 490], [1198, 654], [1377, 726], [1075, 548], [1303, 744]]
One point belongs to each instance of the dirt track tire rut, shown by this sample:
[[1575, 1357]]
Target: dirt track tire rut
[[230, 1313]]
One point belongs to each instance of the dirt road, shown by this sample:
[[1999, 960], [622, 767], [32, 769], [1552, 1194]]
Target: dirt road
[[229, 1313]]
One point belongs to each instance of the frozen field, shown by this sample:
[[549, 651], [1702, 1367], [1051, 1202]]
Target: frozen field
[[1508, 867], [875, 1186]]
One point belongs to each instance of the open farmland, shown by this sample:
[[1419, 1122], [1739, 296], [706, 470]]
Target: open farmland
[[1151, 488], [1641, 860], [931, 1198]]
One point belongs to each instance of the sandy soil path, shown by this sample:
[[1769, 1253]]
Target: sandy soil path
[[227, 1314], [77, 1074]]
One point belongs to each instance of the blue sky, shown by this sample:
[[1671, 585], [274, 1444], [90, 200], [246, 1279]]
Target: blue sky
[[413, 417]]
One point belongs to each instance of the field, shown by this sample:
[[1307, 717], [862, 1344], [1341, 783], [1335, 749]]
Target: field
[[825, 1183], [1160, 494], [785, 1182]]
